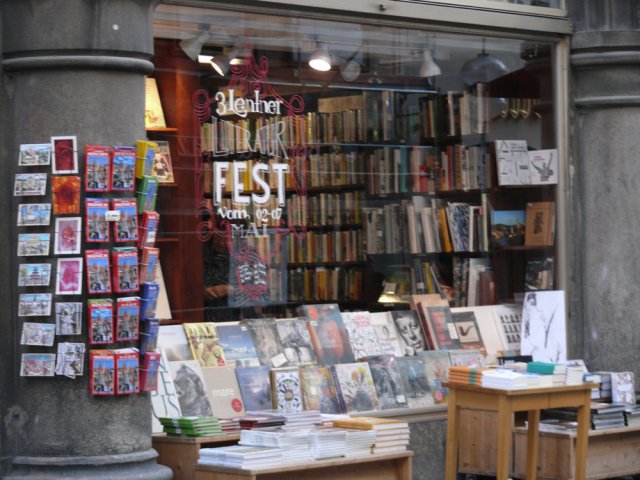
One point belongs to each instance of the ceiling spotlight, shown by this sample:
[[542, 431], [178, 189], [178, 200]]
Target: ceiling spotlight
[[321, 60], [429, 67], [482, 69], [193, 46], [220, 63]]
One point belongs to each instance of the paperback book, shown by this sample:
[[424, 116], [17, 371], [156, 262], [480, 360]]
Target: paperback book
[[127, 319], [319, 391], [149, 372], [223, 391], [125, 269], [162, 166], [286, 391], [355, 386], [164, 400], [149, 299], [328, 333], [362, 335], [296, 341], [102, 368], [126, 227], [237, 345], [100, 312], [387, 380], [386, 333], [173, 342], [205, 344], [145, 154], [127, 371], [415, 383], [148, 229], [190, 388], [266, 340], [97, 229], [149, 331], [98, 271], [123, 169], [149, 264], [147, 192], [255, 387], [97, 166]]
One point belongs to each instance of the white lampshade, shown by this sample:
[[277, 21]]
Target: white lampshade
[[193, 46], [429, 67], [321, 60]]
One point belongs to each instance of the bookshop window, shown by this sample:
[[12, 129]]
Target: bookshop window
[[315, 161]]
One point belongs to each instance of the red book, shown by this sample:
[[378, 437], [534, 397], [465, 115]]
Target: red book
[[100, 321], [149, 372], [126, 229], [96, 228], [102, 371], [149, 264], [98, 271], [127, 374], [148, 229], [127, 319], [97, 177], [125, 270]]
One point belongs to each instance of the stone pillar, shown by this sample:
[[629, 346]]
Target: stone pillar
[[71, 67], [605, 74]]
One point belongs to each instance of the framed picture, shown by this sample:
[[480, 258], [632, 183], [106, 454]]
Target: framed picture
[[30, 214], [34, 305], [30, 184], [65, 155], [34, 154], [68, 235], [69, 276], [33, 244], [34, 275]]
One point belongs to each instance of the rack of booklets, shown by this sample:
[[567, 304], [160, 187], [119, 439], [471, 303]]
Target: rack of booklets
[[110, 244]]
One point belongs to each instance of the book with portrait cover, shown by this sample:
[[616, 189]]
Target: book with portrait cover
[[147, 193], [148, 229], [296, 341], [145, 153], [102, 372], [127, 319], [286, 393], [149, 372], [149, 264], [98, 271], [319, 390], [100, 313], [96, 229], [386, 333], [126, 228], [328, 333], [356, 389], [415, 382], [255, 387], [223, 391], [97, 176], [66, 194], [127, 371], [362, 335], [125, 269], [190, 388], [237, 344], [123, 169], [266, 340], [387, 380], [205, 344]]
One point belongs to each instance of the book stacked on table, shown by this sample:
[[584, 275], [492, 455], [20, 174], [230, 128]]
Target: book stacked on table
[[241, 456], [391, 435], [191, 426], [261, 421], [305, 419], [229, 425], [295, 445], [603, 415], [327, 443], [557, 371], [632, 415], [360, 442], [465, 375], [505, 379]]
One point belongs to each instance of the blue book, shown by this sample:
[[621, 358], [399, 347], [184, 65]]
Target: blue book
[[149, 299], [149, 335]]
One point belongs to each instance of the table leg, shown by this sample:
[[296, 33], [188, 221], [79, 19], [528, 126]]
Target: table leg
[[582, 439], [533, 419], [505, 416], [453, 423]]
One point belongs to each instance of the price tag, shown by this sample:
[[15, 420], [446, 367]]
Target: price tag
[[279, 360], [112, 215]]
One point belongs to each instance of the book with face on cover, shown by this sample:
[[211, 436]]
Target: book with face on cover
[[205, 344], [328, 333]]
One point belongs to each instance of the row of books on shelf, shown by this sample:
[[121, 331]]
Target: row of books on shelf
[[325, 284], [326, 209], [326, 247]]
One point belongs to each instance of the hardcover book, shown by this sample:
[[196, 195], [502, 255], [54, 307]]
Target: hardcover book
[[190, 388], [127, 319], [37, 364], [205, 344], [149, 299], [436, 367], [512, 160], [162, 167], [266, 340], [127, 371], [415, 383], [508, 228], [30, 184], [237, 344], [39, 334], [540, 223], [68, 318], [145, 154], [149, 331], [286, 391], [100, 312], [98, 271], [410, 331], [255, 387], [34, 275], [387, 380], [148, 229], [34, 154], [296, 341], [102, 367], [173, 342], [97, 229], [123, 169], [66, 194], [543, 166], [441, 328], [147, 193], [223, 391], [125, 269], [319, 390], [467, 330], [126, 228], [362, 335], [386, 333], [164, 400], [70, 359], [328, 333], [149, 372], [97, 165], [356, 388]]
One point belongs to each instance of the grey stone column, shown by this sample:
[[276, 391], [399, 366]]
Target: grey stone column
[[605, 184], [73, 67]]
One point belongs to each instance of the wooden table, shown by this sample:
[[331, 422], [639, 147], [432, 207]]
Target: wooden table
[[181, 453], [506, 403], [388, 466]]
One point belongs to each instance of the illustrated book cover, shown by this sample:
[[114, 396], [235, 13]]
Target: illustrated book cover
[[162, 166], [296, 341], [125, 269], [102, 372], [512, 159], [266, 340], [154, 115], [205, 344], [355, 386], [543, 331], [237, 344], [98, 271], [97, 229], [508, 228], [387, 380], [468, 330], [126, 228], [100, 313], [362, 335], [543, 166], [539, 274], [415, 382], [623, 388], [97, 175], [190, 389], [436, 367], [123, 169], [286, 392], [255, 387], [442, 331], [319, 390], [386, 333], [328, 333], [223, 391], [127, 319], [508, 320]]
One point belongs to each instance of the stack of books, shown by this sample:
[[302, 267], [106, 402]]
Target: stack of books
[[574, 374], [295, 445], [327, 443], [466, 375], [603, 415], [605, 386], [191, 426], [260, 421], [632, 415], [391, 435], [304, 419], [510, 380], [557, 371], [360, 442], [230, 425], [241, 456]]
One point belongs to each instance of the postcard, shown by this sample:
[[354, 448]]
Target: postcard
[[30, 214], [68, 318], [34, 305], [37, 364], [29, 184], [69, 276], [65, 155], [70, 360], [68, 235], [33, 244], [66, 194], [34, 154], [34, 275], [42, 334]]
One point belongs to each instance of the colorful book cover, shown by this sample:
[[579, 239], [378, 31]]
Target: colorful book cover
[[296, 341], [148, 229], [319, 390], [356, 387], [127, 319], [37, 365], [237, 344], [147, 193], [98, 271], [328, 333], [97, 229], [102, 366], [205, 344], [255, 387], [415, 382], [100, 321], [189, 384], [223, 391], [149, 332], [97, 175], [66, 194], [126, 228], [123, 169], [387, 380], [68, 318], [149, 299], [162, 166], [362, 335], [436, 367], [149, 264], [441, 328], [145, 154], [286, 391], [508, 228], [149, 372], [125, 269], [266, 340], [127, 371]]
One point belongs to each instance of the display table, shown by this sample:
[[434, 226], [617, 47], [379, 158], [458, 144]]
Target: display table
[[181, 453], [389, 466], [506, 403]]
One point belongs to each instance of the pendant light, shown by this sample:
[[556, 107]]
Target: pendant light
[[482, 69], [321, 60]]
